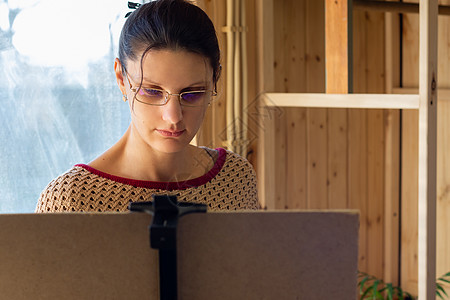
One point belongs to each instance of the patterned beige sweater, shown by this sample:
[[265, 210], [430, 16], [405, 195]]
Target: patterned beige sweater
[[230, 184]]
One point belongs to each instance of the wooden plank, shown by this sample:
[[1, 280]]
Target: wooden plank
[[296, 16], [281, 68], [280, 78], [443, 148], [376, 159], [443, 191], [338, 79], [391, 195], [375, 193], [410, 54], [337, 158], [409, 182], [392, 52], [211, 134], [337, 20], [280, 35], [409, 186], [398, 7], [317, 158], [443, 94], [392, 152], [357, 176], [427, 148], [385, 101], [250, 109], [294, 48], [315, 46], [357, 137], [279, 175], [315, 82], [296, 148], [266, 163]]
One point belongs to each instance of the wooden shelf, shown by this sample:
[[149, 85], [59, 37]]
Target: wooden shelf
[[377, 101]]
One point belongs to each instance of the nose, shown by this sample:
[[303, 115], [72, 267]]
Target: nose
[[172, 112]]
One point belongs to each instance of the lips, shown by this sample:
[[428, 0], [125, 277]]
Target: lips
[[170, 133]]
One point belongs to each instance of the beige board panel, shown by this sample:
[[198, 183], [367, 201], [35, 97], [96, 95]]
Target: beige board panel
[[77, 256], [246, 255], [274, 255]]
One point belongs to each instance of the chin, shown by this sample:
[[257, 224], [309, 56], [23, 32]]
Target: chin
[[170, 146]]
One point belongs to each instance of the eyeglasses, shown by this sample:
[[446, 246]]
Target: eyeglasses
[[159, 97]]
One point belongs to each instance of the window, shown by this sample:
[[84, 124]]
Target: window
[[59, 102]]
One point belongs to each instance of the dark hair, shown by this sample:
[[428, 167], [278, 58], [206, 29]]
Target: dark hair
[[169, 24]]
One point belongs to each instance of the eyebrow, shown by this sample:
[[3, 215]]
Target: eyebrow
[[148, 83]]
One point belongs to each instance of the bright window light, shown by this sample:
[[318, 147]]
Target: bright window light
[[59, 102]]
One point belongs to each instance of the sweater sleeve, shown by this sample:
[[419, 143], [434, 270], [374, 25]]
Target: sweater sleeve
[[242, 174], [252, 192], [56, 197], [50, 199]]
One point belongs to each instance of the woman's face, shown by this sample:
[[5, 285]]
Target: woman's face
[[171, 127]]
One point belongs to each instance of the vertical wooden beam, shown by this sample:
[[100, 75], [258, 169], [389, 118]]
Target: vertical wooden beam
[[315, 179], [338, 37], [392, 149], [409, 155], [338, 57], [428, 12], [266, 137], [391, 195], [358, 140], [298, 16], [317, 158], [375, 188], [213, 131]]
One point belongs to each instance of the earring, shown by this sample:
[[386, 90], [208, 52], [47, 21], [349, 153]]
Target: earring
[[124, 97]]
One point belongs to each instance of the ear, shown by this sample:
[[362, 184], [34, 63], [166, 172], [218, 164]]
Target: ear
[[119, 76]]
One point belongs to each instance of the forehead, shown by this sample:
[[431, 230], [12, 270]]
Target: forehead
[[173, 68]]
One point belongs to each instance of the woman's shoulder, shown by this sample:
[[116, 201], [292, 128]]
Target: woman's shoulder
[[59, 193], [236, 163], [236, 183]]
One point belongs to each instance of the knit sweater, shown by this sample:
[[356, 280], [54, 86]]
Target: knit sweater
[[230, 184]]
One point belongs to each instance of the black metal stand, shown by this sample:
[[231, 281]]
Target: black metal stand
[[166, 211]]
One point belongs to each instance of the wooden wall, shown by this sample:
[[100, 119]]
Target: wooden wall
[[346, 158], [410, 71], [332, 158]]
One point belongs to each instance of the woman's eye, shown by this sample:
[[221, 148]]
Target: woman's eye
[[193, 96], [152, 92]]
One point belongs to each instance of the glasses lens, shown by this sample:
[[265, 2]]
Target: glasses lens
[[150, 96], [195, 98]]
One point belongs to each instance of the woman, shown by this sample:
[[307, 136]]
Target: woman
[[167, 71]]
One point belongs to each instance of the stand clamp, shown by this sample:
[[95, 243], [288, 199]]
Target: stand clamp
[[166, 211]]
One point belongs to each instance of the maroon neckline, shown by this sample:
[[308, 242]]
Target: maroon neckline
[[182, 185]]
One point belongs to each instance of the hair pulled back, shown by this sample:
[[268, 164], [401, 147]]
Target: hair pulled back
[[173, 25]]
